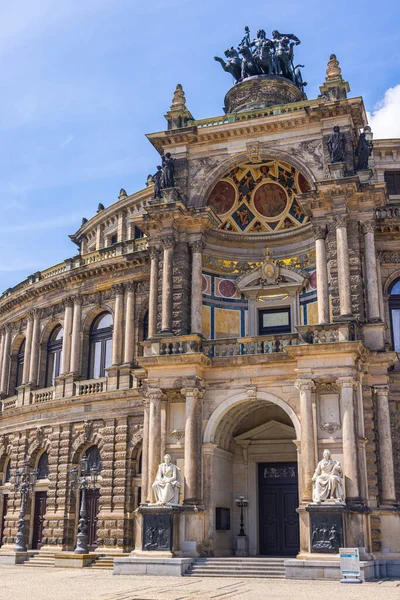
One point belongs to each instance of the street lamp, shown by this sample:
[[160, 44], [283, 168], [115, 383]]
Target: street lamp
[[368, 134], [24, 482], [83, 482], [241, 503]]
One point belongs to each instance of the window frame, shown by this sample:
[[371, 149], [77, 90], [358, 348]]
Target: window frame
[[394, 304], [278, 330], [54, 347], [99, 335], [395, 191], [20, 360]]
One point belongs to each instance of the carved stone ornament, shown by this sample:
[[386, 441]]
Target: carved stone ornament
[[341, 221], [168, 242], [197, 246], [390, 257], [154, 252], [178, 435], [39, 435], [87, 430], [253, 152], [270, 270]]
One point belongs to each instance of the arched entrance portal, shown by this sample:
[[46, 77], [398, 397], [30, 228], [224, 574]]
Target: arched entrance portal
[[255, 456]]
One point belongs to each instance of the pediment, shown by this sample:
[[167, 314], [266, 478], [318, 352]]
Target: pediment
[[285, 276], [272, 430]]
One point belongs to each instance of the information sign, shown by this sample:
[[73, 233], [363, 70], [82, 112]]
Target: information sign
[[349, 563]]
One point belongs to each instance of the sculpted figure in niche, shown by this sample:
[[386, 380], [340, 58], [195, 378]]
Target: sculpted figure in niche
[[337, 145], [168, 482], [328, 480]]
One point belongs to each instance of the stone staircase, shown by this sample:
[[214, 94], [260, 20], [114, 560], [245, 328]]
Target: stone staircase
[[40, 559], [237, 567], [103, 562]]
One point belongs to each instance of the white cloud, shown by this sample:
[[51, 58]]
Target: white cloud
[[385, 118]]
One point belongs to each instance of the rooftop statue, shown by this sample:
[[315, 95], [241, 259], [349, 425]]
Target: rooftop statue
[[263, 56]]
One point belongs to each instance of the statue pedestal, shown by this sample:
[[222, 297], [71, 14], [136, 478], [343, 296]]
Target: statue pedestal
[[337, 170], [158, 547], [326, 527], [364, 176], [242, 546]]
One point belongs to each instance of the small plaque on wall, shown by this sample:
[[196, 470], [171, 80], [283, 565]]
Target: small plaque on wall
[[222, 518]]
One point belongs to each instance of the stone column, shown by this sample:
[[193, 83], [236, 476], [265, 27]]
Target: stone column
[[129, 342], [350, 457], [153, 294], [164, 406], [121, 229], [66, 343], [6, 361], [343, 267], [99, 237], [76, 336], [145, 452], [197, 287], [192, 445], [117, 325], [322, 274], [388, 491], [380, 290], [34, 362], [167, 285], [371, 271], [28, 345], [155, 397], [305, 387]]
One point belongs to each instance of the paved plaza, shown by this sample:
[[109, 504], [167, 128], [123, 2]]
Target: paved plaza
[[24, 583]]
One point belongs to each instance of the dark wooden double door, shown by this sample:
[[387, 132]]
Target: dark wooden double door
[[278, 500], [38, 519], [92, 511], [3, 517]]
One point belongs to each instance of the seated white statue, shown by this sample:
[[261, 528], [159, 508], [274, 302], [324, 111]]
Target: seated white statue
[[168, 482], [328, 480]]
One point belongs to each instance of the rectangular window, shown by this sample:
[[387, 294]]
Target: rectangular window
[[274, 321], [114, 239], [222, 518], [392, 179]]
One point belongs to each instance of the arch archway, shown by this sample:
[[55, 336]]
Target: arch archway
[[250, 444]]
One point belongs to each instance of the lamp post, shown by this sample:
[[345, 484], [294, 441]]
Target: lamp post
[[241, 503], [83, 482], [24, 482]]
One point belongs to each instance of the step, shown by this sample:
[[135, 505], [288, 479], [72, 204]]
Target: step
[[231, 570], [244, 574]]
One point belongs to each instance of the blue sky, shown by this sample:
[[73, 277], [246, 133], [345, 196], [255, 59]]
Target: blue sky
[[83, 81]]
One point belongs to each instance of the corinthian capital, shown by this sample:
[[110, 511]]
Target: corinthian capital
[[118, 289], [346, 382], [368, 226], [154, 252], [68, 302], [304, 385], [168, 242], [319, 232], [197, 246], [341, 221]]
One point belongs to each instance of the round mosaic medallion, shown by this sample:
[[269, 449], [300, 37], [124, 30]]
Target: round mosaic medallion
[[222, 197], [227, 288], [270, 200]]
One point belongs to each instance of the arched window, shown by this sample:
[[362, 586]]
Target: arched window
[[20, 364], [54, 355], [43, 466], [394, 306], [8, 472], [100, 346], [94, 459]]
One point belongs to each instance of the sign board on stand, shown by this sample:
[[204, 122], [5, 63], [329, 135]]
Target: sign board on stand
[[350, 565]]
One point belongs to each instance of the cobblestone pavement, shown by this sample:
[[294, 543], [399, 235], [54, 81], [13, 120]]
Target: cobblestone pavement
[[23, 583]]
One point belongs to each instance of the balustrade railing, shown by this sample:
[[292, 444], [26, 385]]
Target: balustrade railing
[[42, 395], [91, 386], [219, 348], [9, 403]]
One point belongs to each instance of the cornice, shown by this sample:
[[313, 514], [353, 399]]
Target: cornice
[[74, 276], [261, 237]]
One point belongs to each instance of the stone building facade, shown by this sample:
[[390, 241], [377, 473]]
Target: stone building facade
[[244, 322]]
